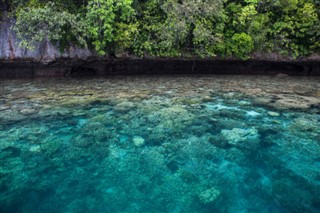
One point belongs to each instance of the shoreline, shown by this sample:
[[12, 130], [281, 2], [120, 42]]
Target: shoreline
[[159, 66]]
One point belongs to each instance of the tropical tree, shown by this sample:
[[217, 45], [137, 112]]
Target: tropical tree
[[48, 23]]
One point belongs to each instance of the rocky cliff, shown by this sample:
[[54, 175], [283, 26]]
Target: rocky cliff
[[47, 60], [44, 52]]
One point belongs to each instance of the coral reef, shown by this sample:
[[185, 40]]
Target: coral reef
[[156, 144], [138, 141], [209, 196], [245, 138]]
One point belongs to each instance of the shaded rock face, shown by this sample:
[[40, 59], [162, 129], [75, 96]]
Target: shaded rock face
[[44, 52], [4, 5], [50, 65]]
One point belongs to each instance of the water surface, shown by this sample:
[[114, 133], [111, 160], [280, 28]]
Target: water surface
[[160, 144]]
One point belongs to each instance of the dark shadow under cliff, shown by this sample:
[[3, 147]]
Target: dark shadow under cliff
[[27, 69]]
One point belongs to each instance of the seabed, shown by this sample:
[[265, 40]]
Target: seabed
[[198, 144]]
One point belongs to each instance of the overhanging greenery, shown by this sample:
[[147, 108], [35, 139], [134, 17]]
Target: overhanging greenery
[[172, 28]]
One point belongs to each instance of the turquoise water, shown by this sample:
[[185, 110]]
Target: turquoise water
[[160, 144]]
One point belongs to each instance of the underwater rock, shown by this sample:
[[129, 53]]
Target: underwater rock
[[246, 138], [11, 116], [234, 155], [152, 157], [206, 98], [158, 136], [152, 105], [124, 106], [51, 145], [190, 101], [96, 130], [273, 114], [104, 119], [244, 103], [294, 101], [29, 111], [264, 100], [218, 141], [75, 99], [138, 141], [131, 94], [35, 148], [187, 176], [4, 107], [252, 113], [83, 141], [198, 130], [316, 93], [303, 124], [209, 196], [102, 135], [171, 120]]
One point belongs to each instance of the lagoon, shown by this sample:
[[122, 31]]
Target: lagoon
[[200, 144]]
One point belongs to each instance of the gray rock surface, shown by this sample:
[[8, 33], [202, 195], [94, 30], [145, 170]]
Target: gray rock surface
[[44, 52]]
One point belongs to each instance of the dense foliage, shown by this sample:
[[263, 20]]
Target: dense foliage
[[204, 28]]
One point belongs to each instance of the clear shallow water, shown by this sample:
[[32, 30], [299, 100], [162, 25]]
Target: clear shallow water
[[160, 144]]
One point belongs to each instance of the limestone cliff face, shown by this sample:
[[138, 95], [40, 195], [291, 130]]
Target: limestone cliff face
[[44, 52], [47, 60]]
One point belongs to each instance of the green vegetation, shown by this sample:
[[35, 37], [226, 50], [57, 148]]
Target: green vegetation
[[173, 28], [49, 23]]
